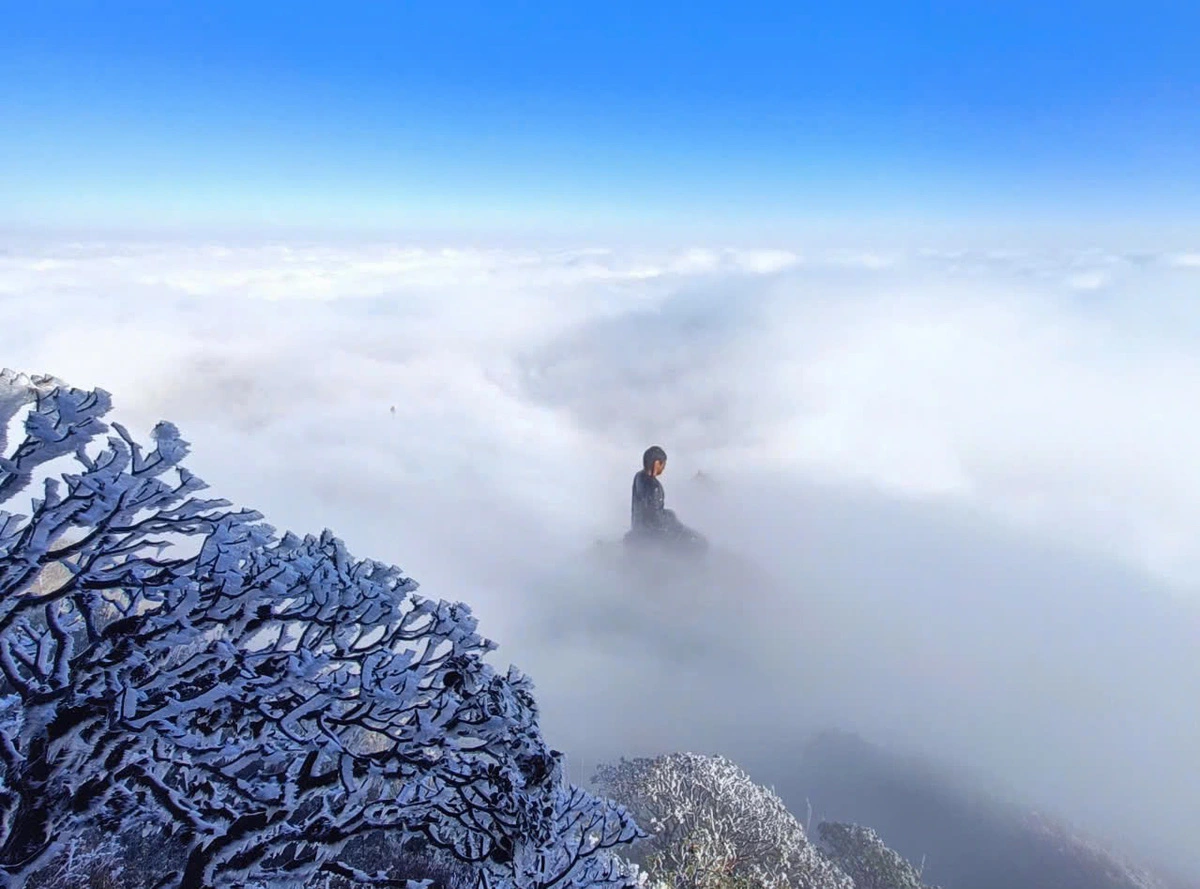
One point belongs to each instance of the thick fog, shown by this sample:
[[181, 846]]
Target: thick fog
[[951, 496]]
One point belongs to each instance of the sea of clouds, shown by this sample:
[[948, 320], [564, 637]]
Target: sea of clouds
[[953, 493]]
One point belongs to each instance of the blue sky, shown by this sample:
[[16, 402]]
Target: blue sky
[[701, 117]]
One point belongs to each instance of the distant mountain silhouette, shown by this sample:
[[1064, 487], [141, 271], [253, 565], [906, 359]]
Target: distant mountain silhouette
[[967, 839]]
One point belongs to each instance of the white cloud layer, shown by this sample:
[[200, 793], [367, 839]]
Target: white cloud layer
[[970, 476]]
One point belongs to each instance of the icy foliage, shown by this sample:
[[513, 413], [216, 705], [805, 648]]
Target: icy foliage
[[92, 860], [262, 698], [862, 854], [712, 826]]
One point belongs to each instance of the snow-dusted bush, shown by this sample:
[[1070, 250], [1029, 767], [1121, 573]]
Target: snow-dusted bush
[[91, 860], [711, 826], [861, 853], [174, 664]]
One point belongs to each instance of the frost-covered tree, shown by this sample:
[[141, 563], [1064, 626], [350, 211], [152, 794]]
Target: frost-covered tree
[[712, 826], [171, 662], [861, 853], [92, 860]]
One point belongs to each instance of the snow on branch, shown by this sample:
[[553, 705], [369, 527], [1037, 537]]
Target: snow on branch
[[712, 826], [262, 698], [863, 854]]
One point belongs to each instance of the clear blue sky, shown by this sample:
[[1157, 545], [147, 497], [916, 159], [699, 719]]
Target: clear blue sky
[[560, 115]]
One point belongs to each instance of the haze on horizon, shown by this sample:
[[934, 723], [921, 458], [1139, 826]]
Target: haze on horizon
[[915, 290]]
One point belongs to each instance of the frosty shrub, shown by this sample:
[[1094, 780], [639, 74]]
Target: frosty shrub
[[863, 855], [91, 860], [711, 826], [172, 664]]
